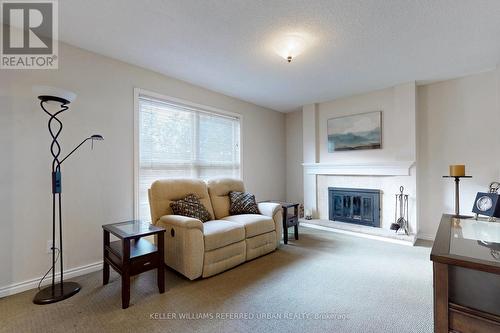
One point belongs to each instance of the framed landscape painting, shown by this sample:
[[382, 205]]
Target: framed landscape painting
[[355, 132]]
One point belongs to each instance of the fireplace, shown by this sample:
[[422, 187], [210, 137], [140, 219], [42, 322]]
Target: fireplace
[[353, 205]]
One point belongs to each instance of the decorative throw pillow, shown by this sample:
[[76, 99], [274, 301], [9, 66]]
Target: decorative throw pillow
[[192, 207], [242, 203]]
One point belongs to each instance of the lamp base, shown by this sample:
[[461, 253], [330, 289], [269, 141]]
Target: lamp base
[[56, 293]]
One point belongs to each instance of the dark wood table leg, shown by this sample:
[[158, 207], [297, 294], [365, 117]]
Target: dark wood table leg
[[440, 298], [285, 226], [105, 268], [296, 227], [161, 267], [126, 274]]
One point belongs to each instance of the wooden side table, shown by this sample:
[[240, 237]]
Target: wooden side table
[[131, 254], [289, 220], [466, 275]]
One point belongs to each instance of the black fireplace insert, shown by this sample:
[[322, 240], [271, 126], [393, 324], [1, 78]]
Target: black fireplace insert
[[354, 205]]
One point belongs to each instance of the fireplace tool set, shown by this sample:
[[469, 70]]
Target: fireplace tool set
[[400, 224]]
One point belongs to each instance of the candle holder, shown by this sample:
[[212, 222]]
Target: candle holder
[[457, 192]]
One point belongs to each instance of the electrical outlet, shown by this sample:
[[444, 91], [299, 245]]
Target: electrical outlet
[[50, 245]]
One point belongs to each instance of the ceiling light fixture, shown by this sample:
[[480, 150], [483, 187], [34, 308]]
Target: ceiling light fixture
[[290, 46]]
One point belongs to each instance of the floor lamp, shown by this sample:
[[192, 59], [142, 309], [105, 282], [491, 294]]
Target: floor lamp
[[60, 98]]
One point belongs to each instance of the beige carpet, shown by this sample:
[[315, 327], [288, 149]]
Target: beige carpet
[[325, 282]]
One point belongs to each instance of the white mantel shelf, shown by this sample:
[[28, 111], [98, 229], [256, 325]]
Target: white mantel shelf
[[396, 168]]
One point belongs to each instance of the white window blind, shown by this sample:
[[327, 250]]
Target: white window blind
[[179, 141]]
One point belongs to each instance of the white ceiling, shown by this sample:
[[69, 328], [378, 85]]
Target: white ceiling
[[227, 45]]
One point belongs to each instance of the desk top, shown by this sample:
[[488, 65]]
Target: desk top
[[284, 204], [132, 229], [467, 242]]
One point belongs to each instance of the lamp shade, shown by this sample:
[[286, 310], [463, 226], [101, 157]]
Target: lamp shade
[[53, 94]]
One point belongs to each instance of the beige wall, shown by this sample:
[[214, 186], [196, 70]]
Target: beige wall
[[458, 123], [97, 185], [294, 173]]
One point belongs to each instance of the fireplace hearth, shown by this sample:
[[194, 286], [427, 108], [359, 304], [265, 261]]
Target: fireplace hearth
[[353, 205]]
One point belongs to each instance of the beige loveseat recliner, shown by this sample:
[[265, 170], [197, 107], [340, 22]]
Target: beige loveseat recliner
[[197, 249]]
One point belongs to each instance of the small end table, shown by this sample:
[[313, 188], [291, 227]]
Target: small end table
[[289, 220], [131, 254]]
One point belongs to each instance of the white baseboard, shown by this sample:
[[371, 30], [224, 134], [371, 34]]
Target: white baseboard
[[357, 234], [33, 283], [425, 237]]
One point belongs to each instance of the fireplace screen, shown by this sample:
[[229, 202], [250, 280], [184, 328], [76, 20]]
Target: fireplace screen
[[359, 206]]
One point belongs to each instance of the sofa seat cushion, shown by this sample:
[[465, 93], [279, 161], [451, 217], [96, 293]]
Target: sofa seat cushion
[[219, 233], [255, 224]]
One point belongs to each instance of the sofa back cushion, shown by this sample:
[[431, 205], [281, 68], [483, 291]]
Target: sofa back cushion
[[219, 194], [165, 191]]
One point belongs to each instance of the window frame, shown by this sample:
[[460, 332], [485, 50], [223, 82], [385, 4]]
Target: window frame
[[139, 92]]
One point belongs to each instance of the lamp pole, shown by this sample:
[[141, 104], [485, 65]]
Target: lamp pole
[[62, 290]]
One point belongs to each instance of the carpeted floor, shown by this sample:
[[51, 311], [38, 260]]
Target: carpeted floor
[[325, 282]]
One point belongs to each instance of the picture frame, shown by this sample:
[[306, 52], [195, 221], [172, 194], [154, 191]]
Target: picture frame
[[355, 132]]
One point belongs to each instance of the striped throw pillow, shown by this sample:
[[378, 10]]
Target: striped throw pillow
[[191, 206], [242, 203]]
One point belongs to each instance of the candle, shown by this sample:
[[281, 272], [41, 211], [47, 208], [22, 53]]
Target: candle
[[457, 170], [308, 214]]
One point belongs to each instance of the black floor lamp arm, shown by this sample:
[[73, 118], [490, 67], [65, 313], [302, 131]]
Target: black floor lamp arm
[[75, 149], [55, 148]]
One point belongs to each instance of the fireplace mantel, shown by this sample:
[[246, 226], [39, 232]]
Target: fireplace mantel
[[396, 168]]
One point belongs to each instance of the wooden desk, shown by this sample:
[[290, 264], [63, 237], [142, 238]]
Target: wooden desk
[[132, 255], [466, 263]]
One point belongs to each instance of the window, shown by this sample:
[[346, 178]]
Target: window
[[181, 140]]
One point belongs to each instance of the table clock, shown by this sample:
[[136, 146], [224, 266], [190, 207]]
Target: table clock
[[488, 204]]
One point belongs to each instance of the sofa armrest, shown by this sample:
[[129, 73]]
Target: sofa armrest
[[181, 221], [184, 244], [274, 211], [268, 208]]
